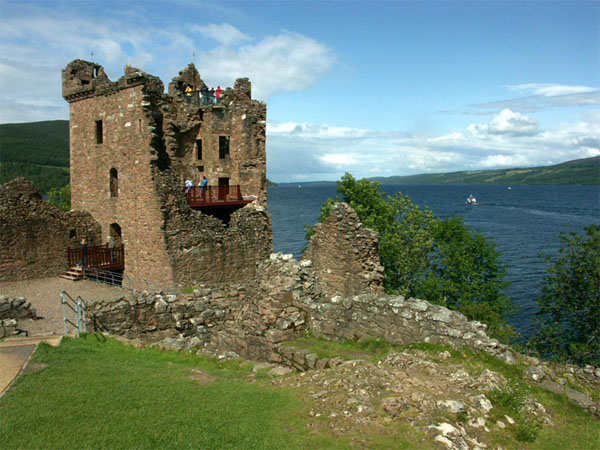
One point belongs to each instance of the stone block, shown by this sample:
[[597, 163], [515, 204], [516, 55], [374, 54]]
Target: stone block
[[311, 360], [273, 335]]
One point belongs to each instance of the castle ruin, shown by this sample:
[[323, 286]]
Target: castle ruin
[[133, 147]]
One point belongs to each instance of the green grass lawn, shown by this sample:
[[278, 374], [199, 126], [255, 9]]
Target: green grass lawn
[[102, 394], [98, 394]]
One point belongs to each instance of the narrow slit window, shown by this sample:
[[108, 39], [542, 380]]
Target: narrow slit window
[[199, 149], [223, 147], [99, 138], [114, 183]]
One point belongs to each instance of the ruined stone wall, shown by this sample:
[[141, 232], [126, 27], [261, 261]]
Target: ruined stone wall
[[16, 308], [34, 234], [254, 319], [236, 117], [345, 255]]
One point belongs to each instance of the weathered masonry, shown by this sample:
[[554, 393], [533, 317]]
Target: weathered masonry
[[132, 149]]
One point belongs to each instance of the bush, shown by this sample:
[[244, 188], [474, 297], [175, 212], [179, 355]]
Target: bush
[[60, 197], [567, 327]]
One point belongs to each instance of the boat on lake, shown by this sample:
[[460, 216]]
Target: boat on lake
[[471, 200]]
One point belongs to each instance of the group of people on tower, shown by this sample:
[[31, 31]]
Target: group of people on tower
[[189, 184], [207, 96]]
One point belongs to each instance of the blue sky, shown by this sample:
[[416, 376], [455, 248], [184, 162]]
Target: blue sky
[[375, 88]]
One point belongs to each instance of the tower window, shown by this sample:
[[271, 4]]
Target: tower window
[[114, 183], [99, 138], [223, 147], [199, 149]]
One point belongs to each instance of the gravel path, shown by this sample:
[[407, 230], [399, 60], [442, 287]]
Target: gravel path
[[44, 296]]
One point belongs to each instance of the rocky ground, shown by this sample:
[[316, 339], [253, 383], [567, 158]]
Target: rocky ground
[[457, 405], [360, 396]]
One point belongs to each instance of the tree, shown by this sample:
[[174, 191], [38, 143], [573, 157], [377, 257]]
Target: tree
[[464, 273], [568, 322], [60, 197], [438, 260]]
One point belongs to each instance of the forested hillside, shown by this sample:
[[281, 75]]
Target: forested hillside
[[580, 171], [38, 151]]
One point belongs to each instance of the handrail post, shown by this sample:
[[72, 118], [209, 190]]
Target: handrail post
[[77, 319], [63, 301], [82, 307]]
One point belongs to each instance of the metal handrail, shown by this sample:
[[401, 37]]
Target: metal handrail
[[121, 279], [79, 307]]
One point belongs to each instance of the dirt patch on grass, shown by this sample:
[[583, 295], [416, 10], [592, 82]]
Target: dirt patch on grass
[[35, 367], [201, 377]]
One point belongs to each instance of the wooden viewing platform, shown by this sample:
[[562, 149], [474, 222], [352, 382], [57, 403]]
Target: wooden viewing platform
[[97, 257], [216, 196]]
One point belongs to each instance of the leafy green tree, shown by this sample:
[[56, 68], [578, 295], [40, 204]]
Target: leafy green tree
[[464, 273], [60, 197], [568, 322], [439, 260]]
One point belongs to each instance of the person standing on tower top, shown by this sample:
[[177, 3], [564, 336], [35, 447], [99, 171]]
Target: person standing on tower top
[[204, 93], [218, 93]]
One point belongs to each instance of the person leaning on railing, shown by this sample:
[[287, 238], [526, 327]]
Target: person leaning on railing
[[203, 185]]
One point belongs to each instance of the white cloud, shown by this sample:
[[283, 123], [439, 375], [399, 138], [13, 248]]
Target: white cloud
[[286, 62], [300, 152], [512, 123], [545, 96], [308, 130], [37, 42], [338, 159], [225, 33], [550, 89], [503, 161]]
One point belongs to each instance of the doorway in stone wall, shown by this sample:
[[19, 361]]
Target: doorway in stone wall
[[115, 233], [223, 188]]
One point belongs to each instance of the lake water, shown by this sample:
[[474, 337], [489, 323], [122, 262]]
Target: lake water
[[523, 221]]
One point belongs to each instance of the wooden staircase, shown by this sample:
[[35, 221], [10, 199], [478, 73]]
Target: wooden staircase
[[72, 273]]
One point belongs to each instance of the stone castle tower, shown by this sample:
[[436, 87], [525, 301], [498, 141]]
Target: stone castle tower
[[132, 148]]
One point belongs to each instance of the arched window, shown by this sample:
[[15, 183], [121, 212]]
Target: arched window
[[115, 233], [114, 183]]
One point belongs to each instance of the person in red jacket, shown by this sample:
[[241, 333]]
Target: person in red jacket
[[218, 93]]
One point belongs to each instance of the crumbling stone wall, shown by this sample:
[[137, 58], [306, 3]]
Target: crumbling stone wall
[[345, 255], [254, 319], [34, 234], [132, 146], [16, 308]]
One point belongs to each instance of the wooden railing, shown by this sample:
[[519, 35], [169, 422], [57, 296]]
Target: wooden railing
[[215, 195], [97, 256]]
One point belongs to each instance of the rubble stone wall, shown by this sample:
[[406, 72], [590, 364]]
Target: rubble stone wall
[[254, 319], [344, 254], [34, 234], [16, 308]]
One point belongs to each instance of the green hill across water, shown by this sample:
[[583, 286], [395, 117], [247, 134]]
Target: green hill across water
[[580, 171], [39, 151]]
